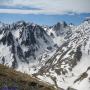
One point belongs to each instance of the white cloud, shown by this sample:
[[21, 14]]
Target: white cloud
[[48, 6]]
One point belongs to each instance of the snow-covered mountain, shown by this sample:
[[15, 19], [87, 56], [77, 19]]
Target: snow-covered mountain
[[58, 54], [23, 44], [58, 32], [69, 67]]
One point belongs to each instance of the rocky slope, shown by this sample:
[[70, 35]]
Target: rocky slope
[[69, 67], [13, 80]]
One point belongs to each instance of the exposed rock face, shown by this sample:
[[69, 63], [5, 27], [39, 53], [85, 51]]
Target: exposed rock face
[[23, 43]]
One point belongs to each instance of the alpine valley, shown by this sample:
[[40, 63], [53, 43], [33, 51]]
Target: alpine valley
[[58, 54]]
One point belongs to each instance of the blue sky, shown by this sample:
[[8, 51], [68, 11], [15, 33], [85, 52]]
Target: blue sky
[[43, 19], [47, 12]]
